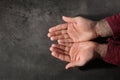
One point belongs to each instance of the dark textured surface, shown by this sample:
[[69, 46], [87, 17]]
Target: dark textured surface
[[24, 46]]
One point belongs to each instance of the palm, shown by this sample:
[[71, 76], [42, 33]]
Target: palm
[[78, 54], [82, 30], [79, 29]]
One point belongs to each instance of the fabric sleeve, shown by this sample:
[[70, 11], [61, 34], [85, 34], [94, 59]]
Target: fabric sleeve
[[113, 51], [114, 23]]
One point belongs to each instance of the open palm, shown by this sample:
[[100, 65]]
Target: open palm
[[75, 30], [77, 54]]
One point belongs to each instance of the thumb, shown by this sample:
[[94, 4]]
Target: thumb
[[72, 64], [68, 19]]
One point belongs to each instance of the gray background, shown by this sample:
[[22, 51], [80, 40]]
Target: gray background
[[24, 46]]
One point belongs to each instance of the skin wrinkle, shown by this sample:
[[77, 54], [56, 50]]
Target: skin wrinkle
[[70, 53], [75, 32], [75, 29], [64, 32], [66, 36], [57, 33], [61, 47], [77, 52], [72, 28], [68, 31]]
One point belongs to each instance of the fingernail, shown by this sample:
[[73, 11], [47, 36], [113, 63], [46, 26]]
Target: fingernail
[[53, 45], [53, 53], [52, 38], [48, 35], [64, 16], [66, 67], [59, 41], [49, 30], [50, 49]]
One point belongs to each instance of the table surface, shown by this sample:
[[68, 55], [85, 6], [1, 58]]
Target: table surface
[[24, 45]]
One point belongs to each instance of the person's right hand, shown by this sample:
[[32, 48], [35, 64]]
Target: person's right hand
[[77, 54], [76, 29]]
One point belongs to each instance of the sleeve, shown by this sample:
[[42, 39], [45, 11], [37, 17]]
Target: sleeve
[[114, 22], [113, 51]]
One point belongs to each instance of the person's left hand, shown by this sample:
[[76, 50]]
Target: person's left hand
[[77, 54], [75, 29]]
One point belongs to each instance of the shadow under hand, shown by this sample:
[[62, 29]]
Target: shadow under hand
[[97, 64]]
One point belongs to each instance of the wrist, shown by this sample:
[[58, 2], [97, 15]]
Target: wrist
[[101, 49], [103, 29]]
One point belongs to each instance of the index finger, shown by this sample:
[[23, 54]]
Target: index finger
[[59, 27]]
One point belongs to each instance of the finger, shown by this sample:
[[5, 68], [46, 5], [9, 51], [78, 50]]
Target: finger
[[53, 49], [61, 47], [54, 33], [57, 33], [57, 49], [64, 36], [71, 64], [58, 27], [68, 19], [65, 40], [68, 44], [63, 57]]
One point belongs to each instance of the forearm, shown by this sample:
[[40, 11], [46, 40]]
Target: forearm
[[103, 29]]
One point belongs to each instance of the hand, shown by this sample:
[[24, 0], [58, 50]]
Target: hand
[[75, 30], [77, 54]]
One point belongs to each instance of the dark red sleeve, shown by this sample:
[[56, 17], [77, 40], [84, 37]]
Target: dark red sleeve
[[114, 22], [113, 51]]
